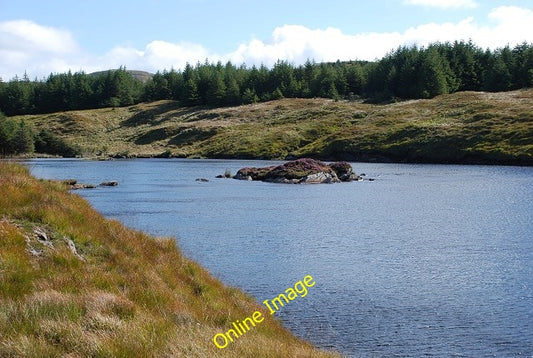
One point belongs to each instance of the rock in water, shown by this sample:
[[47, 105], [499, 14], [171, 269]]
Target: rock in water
[[253, 173], [82, 186], [109, 183], [301, 171], [344, 171]]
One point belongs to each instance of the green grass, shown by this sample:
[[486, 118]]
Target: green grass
[[465, 127], [127, 294]]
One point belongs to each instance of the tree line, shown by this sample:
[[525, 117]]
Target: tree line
[[406, 73]]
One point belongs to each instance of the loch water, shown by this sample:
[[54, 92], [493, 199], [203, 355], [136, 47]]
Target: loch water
[[425, 261]]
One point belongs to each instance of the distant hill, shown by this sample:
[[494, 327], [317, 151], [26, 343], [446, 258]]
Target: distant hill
[[142, 76], [464, 127]]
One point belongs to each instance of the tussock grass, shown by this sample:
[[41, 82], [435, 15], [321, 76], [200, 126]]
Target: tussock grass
[[464, 127], [126, 295]]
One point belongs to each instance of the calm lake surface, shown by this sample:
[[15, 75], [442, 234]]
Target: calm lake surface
[[428, 260]]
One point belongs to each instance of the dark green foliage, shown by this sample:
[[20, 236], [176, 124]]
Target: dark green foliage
[[67, 91], [23, 139], [6, 134], [49, 143], [446, 68], [16, 137], [16, 96], [406, 73], [249, 96]]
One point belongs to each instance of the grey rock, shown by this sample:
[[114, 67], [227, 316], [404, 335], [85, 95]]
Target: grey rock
[[34, 252], [109, 183], [320, 178], [72, 248], [82, 186], [42, 237]]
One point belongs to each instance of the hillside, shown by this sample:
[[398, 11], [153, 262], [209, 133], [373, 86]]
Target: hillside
[[75, 284], [142, 76], [465, 127]]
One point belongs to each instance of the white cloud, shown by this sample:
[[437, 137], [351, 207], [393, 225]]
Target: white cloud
[[510, 25], [444, 4], [298, 43], [157, 55], [25, 45], [40, 50]]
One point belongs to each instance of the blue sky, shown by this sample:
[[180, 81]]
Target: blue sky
[[41, 37]]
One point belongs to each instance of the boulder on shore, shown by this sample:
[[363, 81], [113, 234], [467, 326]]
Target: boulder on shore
[[301, 171]]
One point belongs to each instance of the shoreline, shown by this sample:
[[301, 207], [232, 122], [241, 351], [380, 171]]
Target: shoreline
[[71, 257], [21, 158], [92, 158]]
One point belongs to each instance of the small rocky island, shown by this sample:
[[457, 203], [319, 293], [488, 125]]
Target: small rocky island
[[301, 171]]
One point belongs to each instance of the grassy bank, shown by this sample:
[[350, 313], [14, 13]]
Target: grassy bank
[[75, 284], [465, 127]]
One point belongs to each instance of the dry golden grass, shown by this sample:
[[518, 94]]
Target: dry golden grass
[[125, 295]]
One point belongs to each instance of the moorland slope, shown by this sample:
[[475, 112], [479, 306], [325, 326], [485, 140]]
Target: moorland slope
[[465, 127]]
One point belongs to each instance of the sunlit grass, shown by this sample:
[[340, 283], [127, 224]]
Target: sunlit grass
[[126, 295], [485, 127]]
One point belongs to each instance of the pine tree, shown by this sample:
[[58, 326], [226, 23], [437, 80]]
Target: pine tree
[[310, 74], [433, 71], [82, 91], [355, 79], [175, 84], [191, 95], [463, 62], [23, 139], [277, 94], [5, 135], [333, 92], [523, 66], [249, 96], [216, 91], [162, 87], [233, 93], [498, 77]]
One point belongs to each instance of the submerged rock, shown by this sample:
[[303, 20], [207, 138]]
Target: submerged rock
[[82, 186], [109, 183], [227, 174], [300, 171]]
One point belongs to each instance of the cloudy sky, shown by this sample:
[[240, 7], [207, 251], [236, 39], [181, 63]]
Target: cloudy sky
[[40, 37]]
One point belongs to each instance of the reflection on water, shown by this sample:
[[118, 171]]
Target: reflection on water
[[428, 260]]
